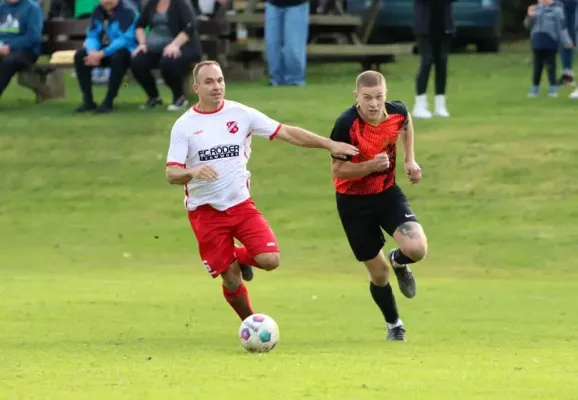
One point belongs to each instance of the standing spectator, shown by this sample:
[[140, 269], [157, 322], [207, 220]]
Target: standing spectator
[[433, 28], [566, 55], [21, 25], [547, 33], [110, 39], [286, 33], [172, 45]]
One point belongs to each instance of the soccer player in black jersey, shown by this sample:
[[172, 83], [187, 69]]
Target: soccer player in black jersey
[[368, 198]]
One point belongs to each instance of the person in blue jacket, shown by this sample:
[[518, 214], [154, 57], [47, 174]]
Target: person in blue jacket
[[21, 25], [566, 54], [110, 40]]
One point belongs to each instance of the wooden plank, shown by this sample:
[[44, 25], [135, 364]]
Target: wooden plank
[[46, 84], [333, 50], [328, 6], [241, 5], [52, 45], [212, 27], [322, 20], [220, 15], [369, 19], [359, 50], [49, 67], [69, 27], [251, 6]]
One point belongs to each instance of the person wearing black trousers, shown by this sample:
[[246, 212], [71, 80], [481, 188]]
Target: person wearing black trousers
[[172, 44], [109, 41], [433, 28]]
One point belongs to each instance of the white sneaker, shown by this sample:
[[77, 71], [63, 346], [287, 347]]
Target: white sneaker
[[179, 104], [440, 106], [420, 109], [574, 94]]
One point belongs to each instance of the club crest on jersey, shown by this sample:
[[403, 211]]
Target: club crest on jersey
[[232, 127]]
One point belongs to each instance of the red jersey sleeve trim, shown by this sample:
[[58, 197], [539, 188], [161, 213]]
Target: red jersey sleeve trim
[[275, 133], [175, 164]]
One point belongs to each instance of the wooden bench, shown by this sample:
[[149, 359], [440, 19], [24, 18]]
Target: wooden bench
[[335, 36], [369, 56], [47, 80]]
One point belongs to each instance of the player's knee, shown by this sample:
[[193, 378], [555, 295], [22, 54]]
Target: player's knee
[[417, 250], [377, 270], [268, 261], [231, 283], [379, 278], [232, 279]]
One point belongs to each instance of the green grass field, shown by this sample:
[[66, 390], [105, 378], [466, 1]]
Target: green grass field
[[104, 296]]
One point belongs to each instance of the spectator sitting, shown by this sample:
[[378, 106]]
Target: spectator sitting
[[110, 39], [171, 45], [20, 37]]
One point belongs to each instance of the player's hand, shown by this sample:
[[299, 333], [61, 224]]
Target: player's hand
[[532, 10], [4, 50], [568, 46], [342, 150], [413, 171], [204, 172], [380, 162]]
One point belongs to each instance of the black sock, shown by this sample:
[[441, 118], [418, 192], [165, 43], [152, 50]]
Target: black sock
[[401, 258], [383, 297]]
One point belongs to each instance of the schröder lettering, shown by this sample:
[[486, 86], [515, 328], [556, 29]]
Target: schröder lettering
[[226, 151]]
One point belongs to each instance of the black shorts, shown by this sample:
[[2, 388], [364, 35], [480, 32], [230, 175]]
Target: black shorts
[[363, 217]]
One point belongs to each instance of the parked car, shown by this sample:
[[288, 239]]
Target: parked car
[[477, 22]]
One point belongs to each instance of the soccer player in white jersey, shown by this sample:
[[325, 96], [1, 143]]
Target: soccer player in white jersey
[[209, 149]]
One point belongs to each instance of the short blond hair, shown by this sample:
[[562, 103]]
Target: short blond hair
[[201, 65], [369, 79]]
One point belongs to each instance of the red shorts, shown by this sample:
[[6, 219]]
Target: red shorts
[[216, 230]]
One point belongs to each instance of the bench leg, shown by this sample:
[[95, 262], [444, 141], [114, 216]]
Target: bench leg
[[46, 84], [365, 65]]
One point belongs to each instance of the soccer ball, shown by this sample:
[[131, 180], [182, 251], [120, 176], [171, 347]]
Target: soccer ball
[[259, 333]]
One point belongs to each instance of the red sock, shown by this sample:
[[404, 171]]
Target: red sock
[[243, 256], [239, 301]]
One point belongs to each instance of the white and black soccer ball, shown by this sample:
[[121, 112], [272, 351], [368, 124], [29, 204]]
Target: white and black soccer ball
[[259, 333]]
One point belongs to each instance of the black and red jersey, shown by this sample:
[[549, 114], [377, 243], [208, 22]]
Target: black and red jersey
[[370, 140]]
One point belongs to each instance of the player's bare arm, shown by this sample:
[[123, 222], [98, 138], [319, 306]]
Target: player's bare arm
[[303, 138], [348, 170], [178, 175], [412, 169]]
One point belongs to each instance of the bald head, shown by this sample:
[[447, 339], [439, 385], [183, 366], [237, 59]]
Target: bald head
[[199, 66], [209, 84], [369, 79]]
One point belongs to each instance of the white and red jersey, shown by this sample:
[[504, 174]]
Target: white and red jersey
[[221, 139]]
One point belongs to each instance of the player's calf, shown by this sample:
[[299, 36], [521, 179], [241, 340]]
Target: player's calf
[[235, 291], [382, 294], [412, 248]]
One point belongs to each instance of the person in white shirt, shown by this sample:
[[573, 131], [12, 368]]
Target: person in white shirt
[[209, 149]]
